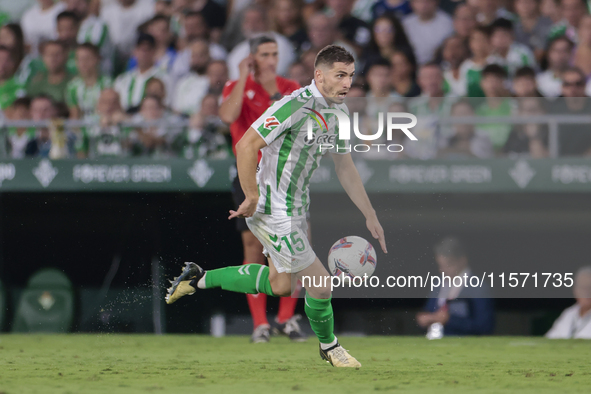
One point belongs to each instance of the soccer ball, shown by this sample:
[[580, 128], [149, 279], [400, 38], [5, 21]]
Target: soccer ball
[[352, 256]]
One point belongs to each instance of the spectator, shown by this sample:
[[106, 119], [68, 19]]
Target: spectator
[[524, 83], [428, 108], [165, 54], [487, 11], [107, 138], [454, 53], [94, 30], [42, 109], [403, 75], [287, 20], [551, 10], [300, 73], [464, 21], [464, 141], [54, 81], [549, 82], [131, 85], [531, 28], [461, 310], [255, 22], [321, 32], [505, 51], [529, 139], [84, 90], [397, 8], [192, 88], [574, 139], [582, 54], [10, 87], [354, 31], [195, 29], [421, 25], [68, 24], [149, 140], [496, 104], [379, 95], [217, 73], [572, 12], [19, 137], [575, 321], [123, 19], [213, 12], [387, 36], [206, 137], [39, 22], [471, 69]]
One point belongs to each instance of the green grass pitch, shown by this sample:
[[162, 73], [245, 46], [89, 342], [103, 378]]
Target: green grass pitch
[[107, 363]]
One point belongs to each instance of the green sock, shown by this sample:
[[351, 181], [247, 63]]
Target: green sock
[[319, 313], [248, 278]]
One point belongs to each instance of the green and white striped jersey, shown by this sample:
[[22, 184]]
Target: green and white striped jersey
[[132, 84], [95, 31], [86, 97], [290, 158], [519, 55]]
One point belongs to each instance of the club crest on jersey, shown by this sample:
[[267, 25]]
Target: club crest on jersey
[[271, 123]]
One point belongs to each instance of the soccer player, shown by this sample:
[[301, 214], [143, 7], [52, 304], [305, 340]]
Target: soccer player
[[277, 198], [245, 100]]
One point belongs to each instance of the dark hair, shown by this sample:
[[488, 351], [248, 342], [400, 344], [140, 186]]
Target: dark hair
[[90, 47], [331, 54], [18, 51], [61, 110], [409, 58], [22, 102], [68, 15], [400, 37], [259, 40], [482, 29], [380, 62], [158, 18], [501, 24], [525, 71], [494, 70], [450, 247], [145, 38]]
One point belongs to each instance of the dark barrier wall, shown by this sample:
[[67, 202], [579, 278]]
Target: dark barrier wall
[[81, 233]]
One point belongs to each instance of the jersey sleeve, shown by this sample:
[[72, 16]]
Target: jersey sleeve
[[274, 121], [228, 87], [341, 146]]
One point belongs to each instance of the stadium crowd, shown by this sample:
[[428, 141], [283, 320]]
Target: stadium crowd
[[114, 62]]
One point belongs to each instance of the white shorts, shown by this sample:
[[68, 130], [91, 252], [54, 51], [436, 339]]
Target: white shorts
[[284, 239]]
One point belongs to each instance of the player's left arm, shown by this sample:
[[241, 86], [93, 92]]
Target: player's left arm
[[351, 182]]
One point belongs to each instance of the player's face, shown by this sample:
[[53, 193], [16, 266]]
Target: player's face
[[334, 83], [266, 58]]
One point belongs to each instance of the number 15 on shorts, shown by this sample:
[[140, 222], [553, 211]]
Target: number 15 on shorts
[[296, 241]]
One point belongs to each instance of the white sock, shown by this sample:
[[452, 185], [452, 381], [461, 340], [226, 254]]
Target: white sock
[[201, 283], [325, 346]]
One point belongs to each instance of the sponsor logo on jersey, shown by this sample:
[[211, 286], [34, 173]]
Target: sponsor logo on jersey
[[271, 123]]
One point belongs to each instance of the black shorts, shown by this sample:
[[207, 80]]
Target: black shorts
[[238, 197]]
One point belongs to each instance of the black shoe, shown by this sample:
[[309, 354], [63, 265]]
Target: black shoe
[[291, 328], [185, 283]]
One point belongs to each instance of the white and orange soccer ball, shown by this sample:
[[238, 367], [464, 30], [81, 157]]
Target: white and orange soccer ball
[[352, 256]]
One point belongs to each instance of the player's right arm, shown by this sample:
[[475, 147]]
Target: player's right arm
[[247, 155], [232, 105]]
